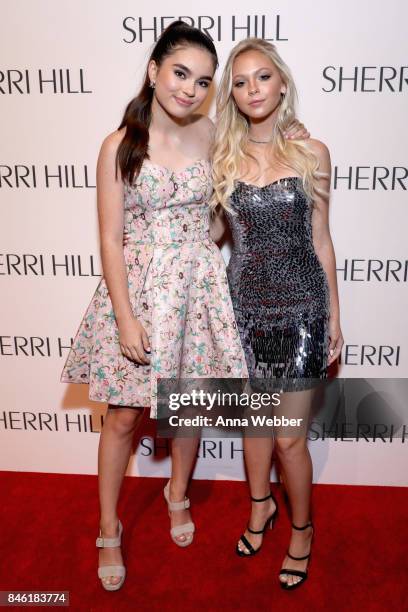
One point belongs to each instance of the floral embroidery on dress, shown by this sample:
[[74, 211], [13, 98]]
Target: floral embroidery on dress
[[178, 290]]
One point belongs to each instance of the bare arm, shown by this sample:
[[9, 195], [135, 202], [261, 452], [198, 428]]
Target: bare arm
[[217, 225], [324, 248], [110, 214], [132, 336]]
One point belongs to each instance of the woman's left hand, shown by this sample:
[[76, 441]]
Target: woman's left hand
[[336, 341], [297, 131], [126, 238]]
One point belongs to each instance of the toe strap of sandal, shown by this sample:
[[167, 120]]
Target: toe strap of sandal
[[187, 529], [110, 542], [293, 572], [111, 570], [248, 544]]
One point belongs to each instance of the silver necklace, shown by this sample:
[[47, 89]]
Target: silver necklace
[[259, 141]]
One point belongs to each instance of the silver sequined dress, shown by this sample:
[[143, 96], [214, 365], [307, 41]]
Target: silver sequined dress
[[278, 287]]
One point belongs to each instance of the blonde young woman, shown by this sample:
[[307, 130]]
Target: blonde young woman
[[282, 272]]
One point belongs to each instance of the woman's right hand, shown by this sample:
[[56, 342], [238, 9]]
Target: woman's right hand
[[133, 341]]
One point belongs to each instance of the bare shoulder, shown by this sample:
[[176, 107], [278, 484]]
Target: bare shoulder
[[111, 143], [318, 148], [107, 155]]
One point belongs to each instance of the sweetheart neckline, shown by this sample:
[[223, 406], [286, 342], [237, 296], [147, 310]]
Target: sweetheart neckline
[[269, 184], [174, 172]]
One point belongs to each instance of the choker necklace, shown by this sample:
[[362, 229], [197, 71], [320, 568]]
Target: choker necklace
[[259, 141]]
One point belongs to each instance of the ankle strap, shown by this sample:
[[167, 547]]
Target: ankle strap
[[298, 558], [182, 505], [309, 524], [262, 499], [102, 542]]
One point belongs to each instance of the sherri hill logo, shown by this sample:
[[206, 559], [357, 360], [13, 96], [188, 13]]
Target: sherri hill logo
[[43, 81], [365, 79], [370, 355], [217, 27], [60, 176], [373, 270], [370, 178], [33, 346], [40, 264]]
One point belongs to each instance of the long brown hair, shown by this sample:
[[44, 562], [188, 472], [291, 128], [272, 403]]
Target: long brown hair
[[133, 148]]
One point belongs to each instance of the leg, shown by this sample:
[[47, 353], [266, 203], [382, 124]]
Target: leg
[[297, 471], [183, 455], [115, 446], [258, 455]]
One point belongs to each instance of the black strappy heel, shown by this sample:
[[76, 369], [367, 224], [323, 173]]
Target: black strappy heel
[[293, 572], [270, 520]]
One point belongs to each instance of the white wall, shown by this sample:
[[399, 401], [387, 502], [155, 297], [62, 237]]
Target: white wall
[[365, 129]]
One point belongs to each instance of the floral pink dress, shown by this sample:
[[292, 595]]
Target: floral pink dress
[[178, 290]]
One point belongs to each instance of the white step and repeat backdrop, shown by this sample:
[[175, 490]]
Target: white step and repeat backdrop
[[67, 69]]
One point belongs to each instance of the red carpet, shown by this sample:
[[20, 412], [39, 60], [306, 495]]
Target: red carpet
[[49, 525]]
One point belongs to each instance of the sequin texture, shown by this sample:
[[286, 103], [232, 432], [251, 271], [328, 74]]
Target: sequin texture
[[278, 287]]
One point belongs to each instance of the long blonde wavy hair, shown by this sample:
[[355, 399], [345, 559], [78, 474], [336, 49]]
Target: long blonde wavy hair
[[231, 134]]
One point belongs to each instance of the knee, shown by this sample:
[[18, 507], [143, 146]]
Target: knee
[[123, 421], [289, 447]]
